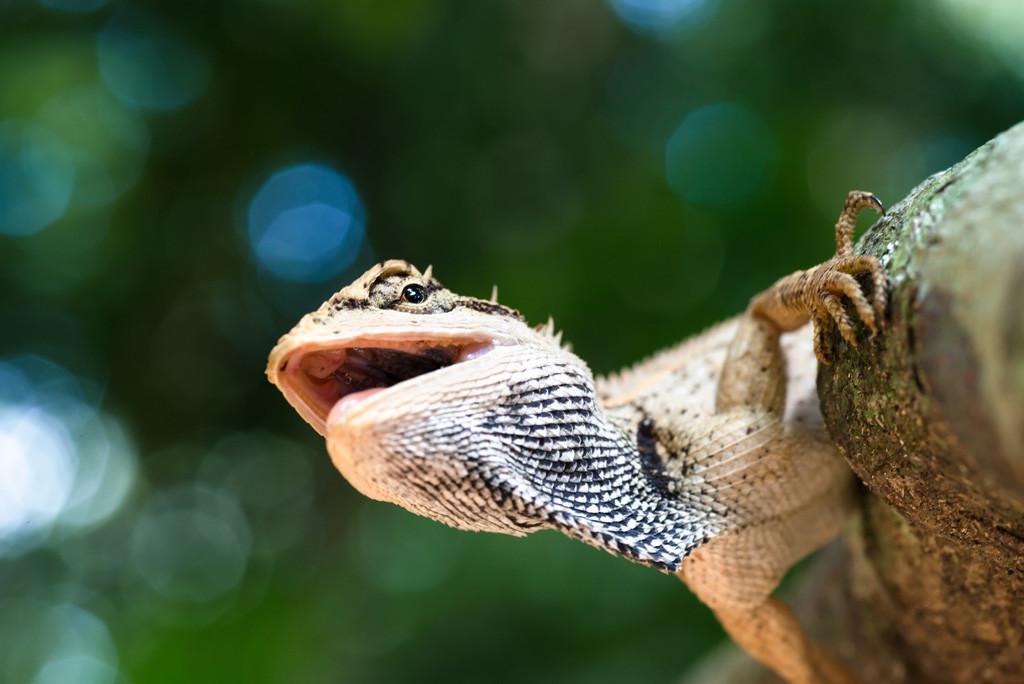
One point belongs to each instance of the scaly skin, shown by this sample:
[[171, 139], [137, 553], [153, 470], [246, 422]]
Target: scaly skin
[[708, 460]]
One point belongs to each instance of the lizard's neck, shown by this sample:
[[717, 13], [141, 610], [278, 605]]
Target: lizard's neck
[[599, 476]]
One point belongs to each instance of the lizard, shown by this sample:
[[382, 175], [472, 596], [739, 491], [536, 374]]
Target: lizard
[[708, 460]]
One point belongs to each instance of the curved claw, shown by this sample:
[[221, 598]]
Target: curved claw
[[835, 282], [842, 282], [822, 342], [819, 293], [839, 316], [876, 204], [856, 201]]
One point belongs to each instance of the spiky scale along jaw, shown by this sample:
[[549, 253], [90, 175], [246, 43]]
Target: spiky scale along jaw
[[453, 408]]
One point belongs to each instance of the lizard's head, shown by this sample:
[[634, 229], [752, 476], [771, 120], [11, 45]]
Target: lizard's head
[[454, 408]]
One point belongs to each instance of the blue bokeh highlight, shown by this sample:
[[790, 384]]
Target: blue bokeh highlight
[[659, 17], [73, 6], [306, 223], [720, 155], [146, 64], [37, 177]]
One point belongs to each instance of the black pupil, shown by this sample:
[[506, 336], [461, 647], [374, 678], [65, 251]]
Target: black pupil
[[414, 294]]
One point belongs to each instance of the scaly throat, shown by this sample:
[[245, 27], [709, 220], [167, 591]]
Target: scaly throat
[[591, 478]]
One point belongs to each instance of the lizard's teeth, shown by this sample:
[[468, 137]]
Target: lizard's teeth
[[474, 351], [348, 402]]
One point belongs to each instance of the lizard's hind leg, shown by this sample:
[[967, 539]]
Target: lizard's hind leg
[[735, 574], [772, 634], [783, 489]]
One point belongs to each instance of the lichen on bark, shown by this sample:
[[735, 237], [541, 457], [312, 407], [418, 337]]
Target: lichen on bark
[[930, 416], [927, 584]]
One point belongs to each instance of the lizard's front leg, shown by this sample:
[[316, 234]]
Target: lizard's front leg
[[785, 490], [818, 293]]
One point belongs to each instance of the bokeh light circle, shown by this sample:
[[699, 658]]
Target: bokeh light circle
[[105, 472], [107, 140], [658, 17], [272, 479], [80, 669], [192, 543], [994, 25], [721, 155], [146, 64], [64, 461], [37, 459], [37, 176], [73, 6], [44, 643], [306, 223]]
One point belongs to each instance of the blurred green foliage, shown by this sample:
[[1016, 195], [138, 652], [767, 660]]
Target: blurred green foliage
[[637, 169]]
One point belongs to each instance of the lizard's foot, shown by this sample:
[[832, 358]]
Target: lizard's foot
[[819, 293], [827, 286], [835, 278]]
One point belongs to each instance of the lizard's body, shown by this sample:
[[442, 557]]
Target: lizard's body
[[708, 460], [784, 490]]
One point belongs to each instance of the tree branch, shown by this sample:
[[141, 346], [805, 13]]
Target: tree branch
[[928, 584]]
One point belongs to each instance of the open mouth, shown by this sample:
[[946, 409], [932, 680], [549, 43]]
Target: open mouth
[[330, 381]]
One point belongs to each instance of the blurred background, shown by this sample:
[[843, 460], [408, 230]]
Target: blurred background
[[180, 181]]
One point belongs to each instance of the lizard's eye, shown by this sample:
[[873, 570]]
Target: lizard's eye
[[414, 294]]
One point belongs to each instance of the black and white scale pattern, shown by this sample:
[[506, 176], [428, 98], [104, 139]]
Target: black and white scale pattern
[[525, 448], [589, 477], [541, 453]]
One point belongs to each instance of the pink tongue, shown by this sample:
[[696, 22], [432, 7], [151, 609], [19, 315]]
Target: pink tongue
[[348, 402]]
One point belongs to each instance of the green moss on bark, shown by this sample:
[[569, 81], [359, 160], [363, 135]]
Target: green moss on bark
[[928, 416], [928, 583]]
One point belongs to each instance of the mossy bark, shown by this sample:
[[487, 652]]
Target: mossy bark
[[928, 584]]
